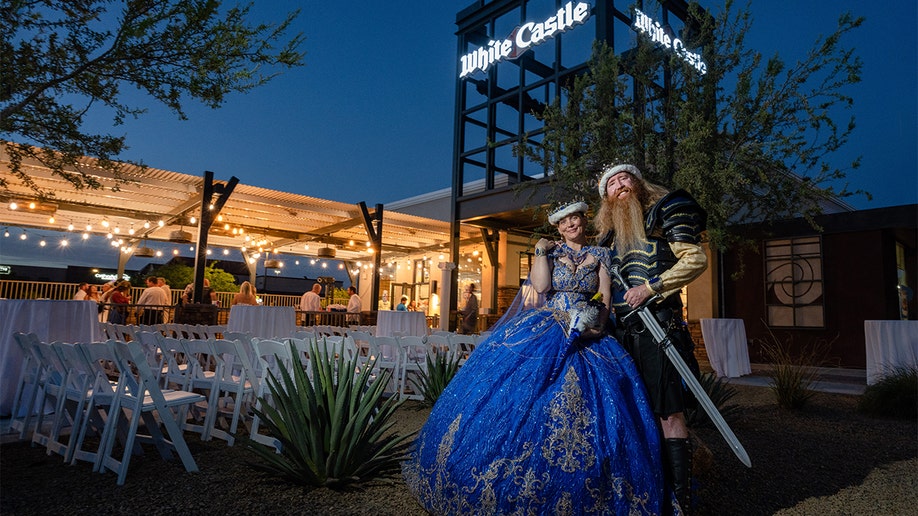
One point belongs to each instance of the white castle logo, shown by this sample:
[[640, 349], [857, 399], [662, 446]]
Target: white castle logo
[[523, 37]]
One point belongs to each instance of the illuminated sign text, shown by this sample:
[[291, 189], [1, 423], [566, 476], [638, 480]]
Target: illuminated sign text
[[652, 29], [523, 37]]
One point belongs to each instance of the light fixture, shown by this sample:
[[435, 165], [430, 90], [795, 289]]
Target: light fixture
[[180, 235], [144, 252], [326, 252]]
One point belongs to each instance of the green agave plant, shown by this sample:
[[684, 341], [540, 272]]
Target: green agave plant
[[440, 371], [333, 431]]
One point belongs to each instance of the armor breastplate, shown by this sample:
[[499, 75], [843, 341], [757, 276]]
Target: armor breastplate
[[674, 218]]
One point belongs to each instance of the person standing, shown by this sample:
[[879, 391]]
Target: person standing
[[311, 302], [246, 295], [354, 305], [546, 416], [154, 298], [161, 283], [402, 305], [208, 297], [120, 298], [104, 299], [81, 292], [655, 239], [469, 312]]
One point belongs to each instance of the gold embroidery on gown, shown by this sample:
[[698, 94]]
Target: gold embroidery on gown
[[568, 445]]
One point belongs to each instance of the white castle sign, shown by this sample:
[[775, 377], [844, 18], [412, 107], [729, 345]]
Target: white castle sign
[[521, 38], [644, 24]]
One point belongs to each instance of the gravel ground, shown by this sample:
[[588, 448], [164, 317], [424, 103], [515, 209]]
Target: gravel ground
[[825, 459]]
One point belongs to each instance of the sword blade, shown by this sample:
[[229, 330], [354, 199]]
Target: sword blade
[[651, 323]]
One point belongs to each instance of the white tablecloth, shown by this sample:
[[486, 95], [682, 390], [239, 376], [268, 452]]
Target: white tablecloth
[[890, 344], [67, 321], [390, 322], [726, 346], [263, 322]]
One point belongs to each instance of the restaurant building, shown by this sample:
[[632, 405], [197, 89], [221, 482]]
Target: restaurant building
[[514, 57]]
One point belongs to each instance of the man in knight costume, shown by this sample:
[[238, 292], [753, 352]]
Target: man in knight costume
[[655, 236]]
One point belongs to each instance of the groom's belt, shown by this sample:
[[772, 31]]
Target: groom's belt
[[665, 311]]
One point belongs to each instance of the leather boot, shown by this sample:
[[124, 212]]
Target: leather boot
[[677, 454]]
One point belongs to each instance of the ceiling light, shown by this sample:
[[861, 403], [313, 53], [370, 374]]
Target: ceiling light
[[180, 235], [144, 252]]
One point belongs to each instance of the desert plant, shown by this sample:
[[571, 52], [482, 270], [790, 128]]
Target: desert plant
[[894, 395], [440, 371], [334, 430], [793, 373], [720, 393]]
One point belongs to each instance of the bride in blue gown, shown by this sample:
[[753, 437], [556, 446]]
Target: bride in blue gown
[[542, 419]]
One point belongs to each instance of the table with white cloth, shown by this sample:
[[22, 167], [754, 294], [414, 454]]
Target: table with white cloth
[[390, 323], [890, 345], [263, 322], [726, 346], [66, 321]]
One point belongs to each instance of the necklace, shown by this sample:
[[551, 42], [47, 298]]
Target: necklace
[[576, 257]]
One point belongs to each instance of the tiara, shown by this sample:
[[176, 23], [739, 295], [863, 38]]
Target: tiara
[[559, 211]]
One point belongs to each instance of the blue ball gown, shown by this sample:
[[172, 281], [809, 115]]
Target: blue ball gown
[[536, 422]]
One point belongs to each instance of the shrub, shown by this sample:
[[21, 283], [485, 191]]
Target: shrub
[[720, 393], [894, 395], [440, 371], [333, 431], [792, 374]]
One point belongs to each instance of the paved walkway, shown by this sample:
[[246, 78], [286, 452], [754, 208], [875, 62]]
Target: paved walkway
[[830, 379]]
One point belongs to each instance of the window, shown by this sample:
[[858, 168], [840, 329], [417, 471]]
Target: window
[[794, 294]]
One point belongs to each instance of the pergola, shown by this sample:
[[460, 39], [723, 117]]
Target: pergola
[[149, 204]]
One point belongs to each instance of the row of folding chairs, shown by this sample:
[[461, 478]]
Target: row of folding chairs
[[72, 389], [126, 332]]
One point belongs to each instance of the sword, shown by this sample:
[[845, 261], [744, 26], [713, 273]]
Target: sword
[[651, 323]]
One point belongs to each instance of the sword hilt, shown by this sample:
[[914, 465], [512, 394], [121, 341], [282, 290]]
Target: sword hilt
[[647, 302]]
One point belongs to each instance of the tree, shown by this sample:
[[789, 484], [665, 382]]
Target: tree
[[179, 275], [749, 138], [60, 59]]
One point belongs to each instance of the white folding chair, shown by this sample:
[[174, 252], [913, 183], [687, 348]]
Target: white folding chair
[[463, 345], [202, 375], [413, 359], [100, 357], [175, 364], [52, 392], [152, 344], [78, 392], [440, 343], [387, 353], [141, 396], [362, 344], [28, 386], [309, 334], [234, 387], [272, 356]]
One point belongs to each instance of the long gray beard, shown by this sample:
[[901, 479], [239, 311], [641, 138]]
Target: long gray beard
[[628, 223]]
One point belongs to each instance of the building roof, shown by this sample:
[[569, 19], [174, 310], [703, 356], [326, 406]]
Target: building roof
[[145, 197]]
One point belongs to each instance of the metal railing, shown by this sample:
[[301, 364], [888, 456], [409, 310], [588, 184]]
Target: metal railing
[[20, 289]]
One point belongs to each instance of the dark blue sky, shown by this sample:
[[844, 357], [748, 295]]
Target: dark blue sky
[[370, 116]]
